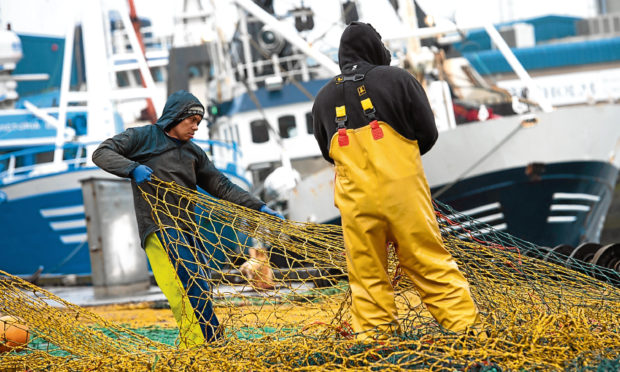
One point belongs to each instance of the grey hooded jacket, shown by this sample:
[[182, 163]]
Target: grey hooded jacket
[[182, 162]]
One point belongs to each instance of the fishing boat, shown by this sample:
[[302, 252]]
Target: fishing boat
[[524, 165], [529, 165], [47, 137]]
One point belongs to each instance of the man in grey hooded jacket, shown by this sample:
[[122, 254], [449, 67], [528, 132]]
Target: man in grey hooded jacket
[[166, 150]]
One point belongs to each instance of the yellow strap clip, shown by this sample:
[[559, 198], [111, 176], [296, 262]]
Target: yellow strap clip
[[367, 104], [341, 112]]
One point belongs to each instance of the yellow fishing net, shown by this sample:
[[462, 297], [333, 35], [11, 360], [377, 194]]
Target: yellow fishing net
[[280, 292]]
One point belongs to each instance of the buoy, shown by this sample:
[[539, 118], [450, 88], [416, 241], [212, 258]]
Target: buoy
[[14, 335]]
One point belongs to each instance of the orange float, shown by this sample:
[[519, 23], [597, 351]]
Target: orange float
[[14, 335]]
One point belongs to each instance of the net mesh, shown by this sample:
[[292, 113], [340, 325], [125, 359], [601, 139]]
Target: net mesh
[[281, 294]]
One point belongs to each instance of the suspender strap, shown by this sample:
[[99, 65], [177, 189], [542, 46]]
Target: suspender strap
[[367, 107], [369, 112], [341, 112], [341, 119]]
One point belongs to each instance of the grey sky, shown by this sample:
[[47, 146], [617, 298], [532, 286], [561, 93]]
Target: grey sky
[[49, 16]]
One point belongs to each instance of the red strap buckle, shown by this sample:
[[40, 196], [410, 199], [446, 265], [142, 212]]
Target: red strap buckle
[[343, 139], [377, 132]]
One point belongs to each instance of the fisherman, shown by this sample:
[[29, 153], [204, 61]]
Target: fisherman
[[373, 122], [175, 254]]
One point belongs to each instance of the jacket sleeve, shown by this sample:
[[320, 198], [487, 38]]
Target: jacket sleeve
[[217, 184], [111, 155], [320, 133], [421, 115]]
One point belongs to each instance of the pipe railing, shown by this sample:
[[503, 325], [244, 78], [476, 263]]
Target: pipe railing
[[78, 159]]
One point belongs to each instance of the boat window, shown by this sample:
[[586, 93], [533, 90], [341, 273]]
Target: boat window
[[237, 137], [39, 158], [137, 77], [229, 136], [309, 126], [286, 126], [226, 134], [122, 80], [195, 71], [260, 133], [157, 73]]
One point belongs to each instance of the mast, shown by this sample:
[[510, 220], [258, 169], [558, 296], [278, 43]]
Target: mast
[[98, 75], [64, 93], [99, 94], [408, 14], [135, 21]]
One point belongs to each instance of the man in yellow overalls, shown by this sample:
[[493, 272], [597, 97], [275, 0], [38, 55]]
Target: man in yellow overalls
[[374, 122]]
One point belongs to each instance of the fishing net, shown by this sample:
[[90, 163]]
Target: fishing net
[[280, 292]]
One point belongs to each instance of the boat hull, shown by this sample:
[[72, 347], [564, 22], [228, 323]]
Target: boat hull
[[560, 203], [42, 223], [546, 179]]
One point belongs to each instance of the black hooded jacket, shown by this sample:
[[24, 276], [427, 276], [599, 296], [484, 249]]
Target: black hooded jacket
[[397, 96], [182, 162]]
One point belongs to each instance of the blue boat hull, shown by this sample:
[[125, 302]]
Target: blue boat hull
[[48, 227], [551, 204], [33, 235], [559, 203]]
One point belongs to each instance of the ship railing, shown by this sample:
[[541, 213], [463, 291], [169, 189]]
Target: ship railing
[[151, 41], [22, 164], [300, 61], [37, 161]]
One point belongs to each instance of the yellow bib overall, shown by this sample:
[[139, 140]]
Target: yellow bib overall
[[383, 196]]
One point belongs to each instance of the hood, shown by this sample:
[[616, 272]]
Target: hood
[[177, 107], [360, 42]]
